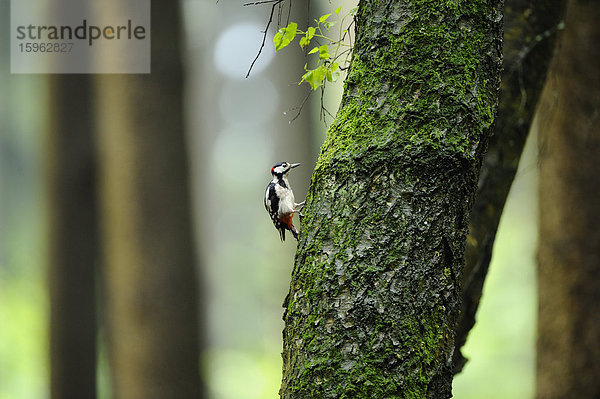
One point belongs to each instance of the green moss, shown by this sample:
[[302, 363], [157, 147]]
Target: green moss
[[373, 299], [419, 86]]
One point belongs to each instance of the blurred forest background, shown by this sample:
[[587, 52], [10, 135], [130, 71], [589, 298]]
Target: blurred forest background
[[235, 129]]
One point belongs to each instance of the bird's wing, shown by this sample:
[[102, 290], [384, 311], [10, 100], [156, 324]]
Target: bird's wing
[[271, 200]]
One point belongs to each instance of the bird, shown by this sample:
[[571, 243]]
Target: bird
[[279, 199]]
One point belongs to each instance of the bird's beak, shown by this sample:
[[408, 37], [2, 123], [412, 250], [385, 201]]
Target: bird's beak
[[292, 166]]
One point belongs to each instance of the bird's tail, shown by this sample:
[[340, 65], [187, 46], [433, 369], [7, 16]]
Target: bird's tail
[[292, 230]]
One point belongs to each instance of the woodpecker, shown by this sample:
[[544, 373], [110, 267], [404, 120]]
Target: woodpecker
[[279, 199]]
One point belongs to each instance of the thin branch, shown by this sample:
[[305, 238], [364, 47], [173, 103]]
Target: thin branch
[[289, 14], [257, 3], [275, 3], [324, 111], [301, 107], [279, 13]]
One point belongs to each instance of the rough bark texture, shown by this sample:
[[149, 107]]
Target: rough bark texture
[[529, 37], [72, 238], [375, 291], [568, 363], [150, 262]]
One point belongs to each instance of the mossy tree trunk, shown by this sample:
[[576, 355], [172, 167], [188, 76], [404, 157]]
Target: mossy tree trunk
[[530, 31], [375, 291], [568, 347]]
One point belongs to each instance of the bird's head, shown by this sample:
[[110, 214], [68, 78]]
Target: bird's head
[[282, 168]]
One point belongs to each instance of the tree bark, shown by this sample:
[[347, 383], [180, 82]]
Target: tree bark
[[72, 238], [529, 37], [568, 346], [150, 262], [375, 291]]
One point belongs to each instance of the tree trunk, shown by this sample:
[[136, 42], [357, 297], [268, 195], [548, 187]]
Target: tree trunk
[[568, 363], [72, 238], [375, 291], [150, 262], [529, 37]]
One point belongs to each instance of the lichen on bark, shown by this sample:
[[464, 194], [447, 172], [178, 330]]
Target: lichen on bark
[[375, 290]]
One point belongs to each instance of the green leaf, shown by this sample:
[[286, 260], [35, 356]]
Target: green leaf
[[324, 52], [285, 36], [314, 50], [314, 77], [324, 17], [332, 72], [353, 11], [305, 40], [337, 10]]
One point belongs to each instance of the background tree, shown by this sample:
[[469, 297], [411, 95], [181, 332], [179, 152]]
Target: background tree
[[150, 275], [529, 36], [72, 237], [568, 363], [375, 292]]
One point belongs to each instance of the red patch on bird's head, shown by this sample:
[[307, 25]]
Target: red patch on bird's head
[[272, 170]]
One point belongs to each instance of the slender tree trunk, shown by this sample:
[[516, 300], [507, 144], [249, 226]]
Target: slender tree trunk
[[568, 363], [375, 291], [150, 262], [72, 238], [529, 36]]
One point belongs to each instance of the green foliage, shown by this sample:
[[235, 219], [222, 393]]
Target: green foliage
[[310, 33], [327, 68], [314, 77], [285, 36]]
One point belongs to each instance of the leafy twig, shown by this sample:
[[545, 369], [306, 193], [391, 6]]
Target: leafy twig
[[327, 68]]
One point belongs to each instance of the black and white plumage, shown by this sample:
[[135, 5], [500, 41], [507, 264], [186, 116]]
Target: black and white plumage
[[279, 199]]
